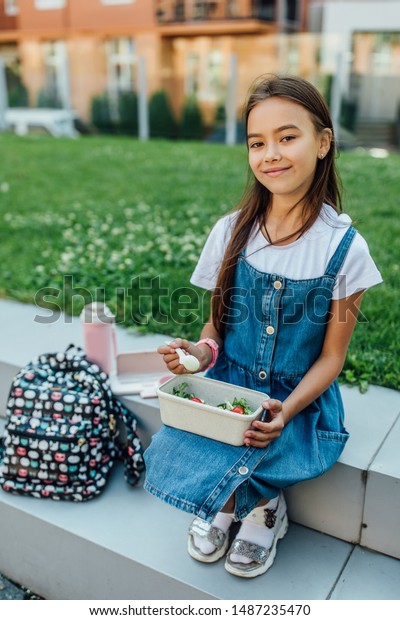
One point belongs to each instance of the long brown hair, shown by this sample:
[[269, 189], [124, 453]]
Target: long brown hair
[[255, 203]]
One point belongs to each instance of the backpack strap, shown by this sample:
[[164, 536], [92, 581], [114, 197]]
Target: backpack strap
[[132, 452]]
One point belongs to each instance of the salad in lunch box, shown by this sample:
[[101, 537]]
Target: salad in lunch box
[[238, 405]]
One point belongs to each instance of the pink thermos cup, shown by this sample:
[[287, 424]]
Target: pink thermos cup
[[99, 341]]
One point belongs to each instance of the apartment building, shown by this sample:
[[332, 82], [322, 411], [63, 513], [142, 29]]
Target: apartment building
[[360, 43], [65, 52], [369, 33]]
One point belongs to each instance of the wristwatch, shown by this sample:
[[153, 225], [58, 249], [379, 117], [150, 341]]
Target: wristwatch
[[214, 350]]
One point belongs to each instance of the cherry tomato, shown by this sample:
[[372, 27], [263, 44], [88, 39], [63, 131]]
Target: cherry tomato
[[196, 400], [238, 409]]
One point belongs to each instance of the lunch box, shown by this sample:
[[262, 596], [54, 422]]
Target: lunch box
[[207, 419]]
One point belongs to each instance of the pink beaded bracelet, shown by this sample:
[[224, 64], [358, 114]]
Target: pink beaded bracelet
[[214, 350]]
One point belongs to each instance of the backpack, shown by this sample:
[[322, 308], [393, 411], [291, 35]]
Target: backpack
[[62, 433]]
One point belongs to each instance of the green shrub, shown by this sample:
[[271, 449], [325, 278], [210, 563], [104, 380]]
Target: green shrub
[[162, 120], [17, 92], [348, 114], [128, 113], [192, 127], [18, 96], [101, 113], [220, 114]]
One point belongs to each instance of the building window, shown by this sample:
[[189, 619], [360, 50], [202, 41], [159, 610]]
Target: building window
[[264, 9], [180, 11], [117, 1], [56, 91], [204, 76], [121, 63], [204, 10], [213, 82], [44, 5], [292, 56], [291, 10], [11, 7], [386, 54], [192, 74], [233, 8]]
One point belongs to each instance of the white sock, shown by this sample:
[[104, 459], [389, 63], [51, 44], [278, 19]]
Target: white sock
[[223, 521], [254, 530]]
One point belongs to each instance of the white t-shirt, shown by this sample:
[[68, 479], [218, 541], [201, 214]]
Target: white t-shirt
[[305, 258]]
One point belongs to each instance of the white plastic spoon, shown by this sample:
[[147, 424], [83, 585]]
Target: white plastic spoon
[[190, 362]]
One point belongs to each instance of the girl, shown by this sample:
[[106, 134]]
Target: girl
[[288, 272]]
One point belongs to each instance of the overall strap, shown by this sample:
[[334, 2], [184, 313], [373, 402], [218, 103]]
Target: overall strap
[[337, 259]]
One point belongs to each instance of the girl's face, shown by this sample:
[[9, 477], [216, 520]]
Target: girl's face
[[284, 148]]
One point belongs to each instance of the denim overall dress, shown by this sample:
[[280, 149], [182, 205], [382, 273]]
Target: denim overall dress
[[274, 334]]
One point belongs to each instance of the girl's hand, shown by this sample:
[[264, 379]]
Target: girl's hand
[[171, 358], [261, 434]]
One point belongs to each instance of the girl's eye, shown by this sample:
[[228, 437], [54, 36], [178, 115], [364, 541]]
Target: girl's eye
[[254, 145], [288, 138]]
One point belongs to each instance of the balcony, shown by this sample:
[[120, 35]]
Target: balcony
[[178, 11], [222, 17]]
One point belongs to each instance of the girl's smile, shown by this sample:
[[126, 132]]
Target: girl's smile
[[274, 172], [284, 148]]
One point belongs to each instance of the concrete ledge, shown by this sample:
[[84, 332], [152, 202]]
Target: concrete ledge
[[368, 576], [128, 545], [382, 499], [334, 503]]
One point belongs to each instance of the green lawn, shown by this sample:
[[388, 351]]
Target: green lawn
[[113, 219]]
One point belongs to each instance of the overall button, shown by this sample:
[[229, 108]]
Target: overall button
[[262, 374], [270, 330], [243, 470], [277, 284]]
